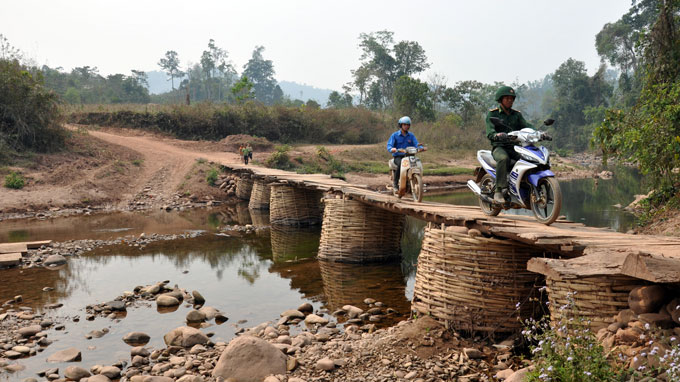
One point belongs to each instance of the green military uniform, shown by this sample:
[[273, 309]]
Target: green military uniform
[[503, 151]]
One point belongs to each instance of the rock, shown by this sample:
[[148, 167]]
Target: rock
[[140, 351], [659, 320], [518, 376], [197, 349], [271, 378], [628, 335], [625, 316], [295, 379], [306, 308], [369, 301], [176, 293], [116, 305], [12, 354], [198, 297], [29, 331], [166, 300], [325, 364], [293, 313], [313, 319], [473, 353], [185, 336], [98, 378], [504, 374], [76, 373], [249, 358], [136, 338], [195, 316], [152, 289], [209, 312], [22, 349], [352, 311], [411, 375], [54, 260], [110, 372], [191, 378], [66, 355], [291, 363], [647, 299], [13, 368]]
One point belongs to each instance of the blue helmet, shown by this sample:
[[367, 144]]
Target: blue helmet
[[404, 120]]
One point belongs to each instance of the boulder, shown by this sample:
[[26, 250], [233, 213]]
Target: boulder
[[136, 338], [195, 316], [110, 372], [518, 376], [98, 378], [293, 313], [66, 355], [54, 260], [185, 336], [647, 299], [312, 319], [659, 320], [76, 373], [305, 308], [198, 298], [116, 305], [250, 359], [209, 312], [166, 300], [325, 364], [352, 311], [30, 331]]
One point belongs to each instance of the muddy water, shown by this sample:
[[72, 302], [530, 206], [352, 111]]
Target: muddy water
[[251, 278]]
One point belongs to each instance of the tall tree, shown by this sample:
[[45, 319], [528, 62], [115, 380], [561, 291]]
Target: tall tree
[[170, 63], [412, 97], [261, 73]]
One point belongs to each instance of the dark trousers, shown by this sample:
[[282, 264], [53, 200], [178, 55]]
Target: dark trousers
[[395, 181], [245, 159], [503, 155]]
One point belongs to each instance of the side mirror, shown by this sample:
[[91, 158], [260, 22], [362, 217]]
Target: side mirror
[[496, 121], [549, 122]]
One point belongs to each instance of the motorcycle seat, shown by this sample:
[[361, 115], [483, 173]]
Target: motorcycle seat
[[487, 157]]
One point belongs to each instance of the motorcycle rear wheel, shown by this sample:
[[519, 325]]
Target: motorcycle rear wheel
[[547, 205], [417, 188], [487, 185]]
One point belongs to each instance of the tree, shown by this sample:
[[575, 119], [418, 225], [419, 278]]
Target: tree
[[243, 90], [7, 51], [261, 74], [339, 101], [170, 63], [409, 58], [412, 97]]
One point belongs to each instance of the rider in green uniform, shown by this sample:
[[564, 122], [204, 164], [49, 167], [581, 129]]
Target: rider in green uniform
[[503, 151]]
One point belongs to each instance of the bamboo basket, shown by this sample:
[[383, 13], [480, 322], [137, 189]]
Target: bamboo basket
[[351, 284], [259, 196], [243, 188], [475, 284], [294, 243], [243, 214], [353, 232], [294, 205], [259, 217], [596, 299]]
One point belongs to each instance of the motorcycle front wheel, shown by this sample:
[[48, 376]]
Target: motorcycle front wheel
[[417, 188], [546, 200], [487, 185]]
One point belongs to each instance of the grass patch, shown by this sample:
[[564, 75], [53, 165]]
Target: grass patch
[[137, 162], [15, 180], [211, 178]]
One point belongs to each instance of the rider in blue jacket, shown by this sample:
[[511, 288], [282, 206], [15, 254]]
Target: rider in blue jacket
[[401, 139]]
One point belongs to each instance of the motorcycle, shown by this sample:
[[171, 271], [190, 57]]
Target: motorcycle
[[411, 174], [531, 184]]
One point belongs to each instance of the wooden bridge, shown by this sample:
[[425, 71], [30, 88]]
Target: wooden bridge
[[584, 251]]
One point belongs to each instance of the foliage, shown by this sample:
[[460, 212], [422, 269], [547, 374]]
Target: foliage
[[261, 74], [170, 63], [14, 180], [29, 113], [280, 158], [211, 178], [339, 101], [243, 90], [84, 85], [568, 351], [412, 97], [648, 133]]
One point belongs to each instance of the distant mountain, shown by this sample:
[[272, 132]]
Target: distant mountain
[[305, 92], [159, 82]]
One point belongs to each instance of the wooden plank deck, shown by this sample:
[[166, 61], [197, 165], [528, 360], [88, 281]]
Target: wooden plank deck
[[588, 251]]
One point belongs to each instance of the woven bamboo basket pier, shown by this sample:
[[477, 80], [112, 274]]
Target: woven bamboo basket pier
[[259, 196], [294, 243], [474, 284], [243, 214], [294, 205], [596, 299], [243, 188], [354, 232], [260, 218], [351, 284]]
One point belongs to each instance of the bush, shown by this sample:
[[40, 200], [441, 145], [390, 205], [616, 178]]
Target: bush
[[280, 158], [15, 180], [30, 113], [212, 177]]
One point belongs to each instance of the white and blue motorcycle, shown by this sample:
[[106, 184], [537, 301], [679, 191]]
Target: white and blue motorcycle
[[531, 184]]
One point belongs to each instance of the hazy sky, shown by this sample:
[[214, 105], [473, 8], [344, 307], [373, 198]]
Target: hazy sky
[[313, 42]]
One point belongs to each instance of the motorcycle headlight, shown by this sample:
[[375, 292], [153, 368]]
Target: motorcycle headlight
[[527, 158], [411, 150]]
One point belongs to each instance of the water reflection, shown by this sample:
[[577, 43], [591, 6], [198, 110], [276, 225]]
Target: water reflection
[[294, 243]]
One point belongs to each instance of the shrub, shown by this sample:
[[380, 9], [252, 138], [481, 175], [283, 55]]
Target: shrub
[[280, 158], [14, 180], [212, 177]]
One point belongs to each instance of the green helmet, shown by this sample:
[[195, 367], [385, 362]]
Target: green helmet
[[504, 91]]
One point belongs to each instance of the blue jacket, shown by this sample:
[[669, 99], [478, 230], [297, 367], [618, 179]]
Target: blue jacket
[[399, 141]]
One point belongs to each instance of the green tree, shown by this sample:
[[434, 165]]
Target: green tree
[[7, 51], [339, 101], [261, 73], [412, 97], [170, 63], [243, 90]]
